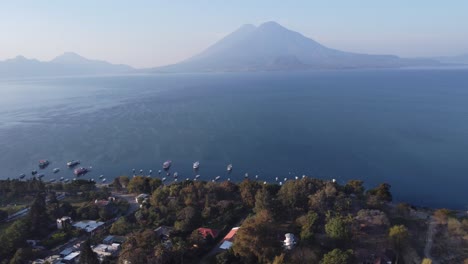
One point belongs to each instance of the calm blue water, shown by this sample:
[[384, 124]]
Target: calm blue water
[[405, 127]]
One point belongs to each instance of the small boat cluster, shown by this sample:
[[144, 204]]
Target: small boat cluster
[[43, 164]]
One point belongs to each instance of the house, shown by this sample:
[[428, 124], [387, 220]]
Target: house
[[109, 240], [163, 232], [103, 250], [71, 258], [140, 198], [88, 225], [64, 221], [229, 238], [289, 241], [207, 232]]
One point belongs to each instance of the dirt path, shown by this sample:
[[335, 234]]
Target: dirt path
[[429, 239]]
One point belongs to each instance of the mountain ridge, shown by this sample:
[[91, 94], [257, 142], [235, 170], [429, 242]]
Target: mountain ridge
[[253, 48]]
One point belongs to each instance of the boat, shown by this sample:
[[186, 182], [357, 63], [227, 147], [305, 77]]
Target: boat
[[196, 165], [56, 170], [22, 176], [34, 172], [141, 171], [150, 171], [163, 179], [104, 180], [217, 178], [101, 176], [159, 171], [40, 175], [176, 175], [73, 163], [197, 176], [43, 164], [229, 167], [246, 175], [66, 180], [167, 164], [61, 178], [80, 171], [52, 180]]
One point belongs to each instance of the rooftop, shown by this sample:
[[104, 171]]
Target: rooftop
[[88, 225]]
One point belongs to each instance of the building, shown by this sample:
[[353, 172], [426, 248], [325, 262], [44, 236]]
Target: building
[[72, 258], [207, 232], [103, 250], [88, 225], [140, 198], [289, 241], [64, 221], [229, 239], [109, 240], [163, 232]]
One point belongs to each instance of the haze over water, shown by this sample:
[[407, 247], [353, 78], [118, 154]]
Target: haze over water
[[405, 127]]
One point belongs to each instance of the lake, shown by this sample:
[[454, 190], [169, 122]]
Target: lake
[[405, 127]]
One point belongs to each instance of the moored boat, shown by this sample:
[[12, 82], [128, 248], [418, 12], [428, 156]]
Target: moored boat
[[73, 163], [80, 171], [33, 172], [55, 170], [43, 164], [167, 164], [229, 167], [22, 176], [196, 165]]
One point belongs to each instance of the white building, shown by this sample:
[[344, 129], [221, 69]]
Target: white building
[[289, 241], [61, 222], [88, 225]]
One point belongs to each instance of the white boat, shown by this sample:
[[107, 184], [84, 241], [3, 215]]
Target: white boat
[[61, 178], [56, 170], [104, 180], [66, 180], [246, 175], [197, 176], [101, 176], [73, 163], [52, 180], [229, 167], [196, 165], [176, 174], [22, 176], [163, 179], [217, 178]]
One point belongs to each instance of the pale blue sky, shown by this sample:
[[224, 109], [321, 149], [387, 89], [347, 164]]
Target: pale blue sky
[[152, 33]]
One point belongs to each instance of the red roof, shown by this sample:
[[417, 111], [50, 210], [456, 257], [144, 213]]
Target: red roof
[[231, 234], [207, 231]]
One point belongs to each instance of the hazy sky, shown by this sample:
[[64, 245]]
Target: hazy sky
[[152, 33]]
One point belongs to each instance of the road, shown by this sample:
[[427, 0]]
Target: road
[[429, 239]]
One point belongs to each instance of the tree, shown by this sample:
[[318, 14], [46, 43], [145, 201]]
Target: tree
[[256, 239], [87, 255], [307, 225], [3, 215], [426, 261], [336, 228], [14, 237], [22, 256], [38, 216], [188, 219], [398, 236], [355, 187], [382, 192], [337, 256], [248, 190], [120, 227]]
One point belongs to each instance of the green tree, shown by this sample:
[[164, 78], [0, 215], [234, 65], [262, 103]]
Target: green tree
[[336, 228], [355, 187], [382, 192], [337, 256], [14, 237], [426, 261], [256, 239], [398, 236], [87, 255], [188, 219], [22, 256], [121, 227], [248, 190], [38, 216], [307, 223]]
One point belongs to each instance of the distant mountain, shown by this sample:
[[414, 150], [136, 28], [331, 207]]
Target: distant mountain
[[67, 64], [270, 46], [460, 59]]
